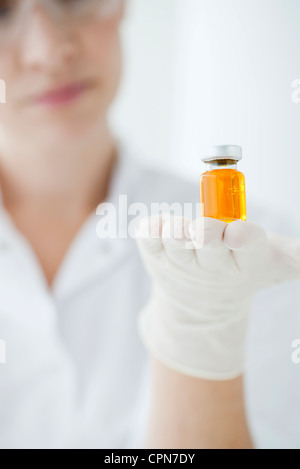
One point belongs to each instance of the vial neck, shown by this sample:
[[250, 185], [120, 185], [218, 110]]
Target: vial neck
[[221, 164]]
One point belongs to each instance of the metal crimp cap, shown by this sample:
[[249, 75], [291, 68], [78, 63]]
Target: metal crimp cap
[[222, 152]]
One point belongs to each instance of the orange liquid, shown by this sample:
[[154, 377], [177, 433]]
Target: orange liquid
[[223, 195]]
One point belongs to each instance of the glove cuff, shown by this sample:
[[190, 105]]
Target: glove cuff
[[213, 351]]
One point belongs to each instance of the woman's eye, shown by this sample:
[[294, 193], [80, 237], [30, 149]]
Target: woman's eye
[[69, 2], [72, 3], [6, 8]]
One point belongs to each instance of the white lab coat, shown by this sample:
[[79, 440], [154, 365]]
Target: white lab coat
[[77, 374]]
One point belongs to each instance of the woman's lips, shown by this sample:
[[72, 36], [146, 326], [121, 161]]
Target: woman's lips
[[62, 95]]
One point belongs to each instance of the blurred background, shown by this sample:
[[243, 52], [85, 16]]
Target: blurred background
[[198, 73]]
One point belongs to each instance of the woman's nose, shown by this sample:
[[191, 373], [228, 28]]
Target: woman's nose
[[47, 42]]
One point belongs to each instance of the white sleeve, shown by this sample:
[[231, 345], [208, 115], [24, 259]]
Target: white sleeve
[[37, 387]]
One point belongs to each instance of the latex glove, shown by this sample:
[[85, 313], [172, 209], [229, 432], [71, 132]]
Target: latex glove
[[205, 273]]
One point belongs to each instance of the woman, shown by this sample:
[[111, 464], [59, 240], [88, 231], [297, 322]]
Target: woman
[[77, 373]]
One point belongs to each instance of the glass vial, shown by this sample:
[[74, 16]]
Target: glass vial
[[222, 186]]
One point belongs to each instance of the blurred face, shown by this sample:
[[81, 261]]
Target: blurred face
[[61, 62]]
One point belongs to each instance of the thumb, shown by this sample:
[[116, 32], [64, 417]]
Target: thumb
[[285, 252], [249, 245], [272, 257]]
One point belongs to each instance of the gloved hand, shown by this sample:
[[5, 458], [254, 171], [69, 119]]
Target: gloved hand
[[205, 273]]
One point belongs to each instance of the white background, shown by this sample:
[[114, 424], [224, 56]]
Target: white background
[[201, 72]]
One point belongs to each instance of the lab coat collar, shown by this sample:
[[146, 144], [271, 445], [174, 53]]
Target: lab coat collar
[[118, 184], [88, 255]]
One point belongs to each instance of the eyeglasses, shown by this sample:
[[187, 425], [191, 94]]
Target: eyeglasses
[[13, 14]]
